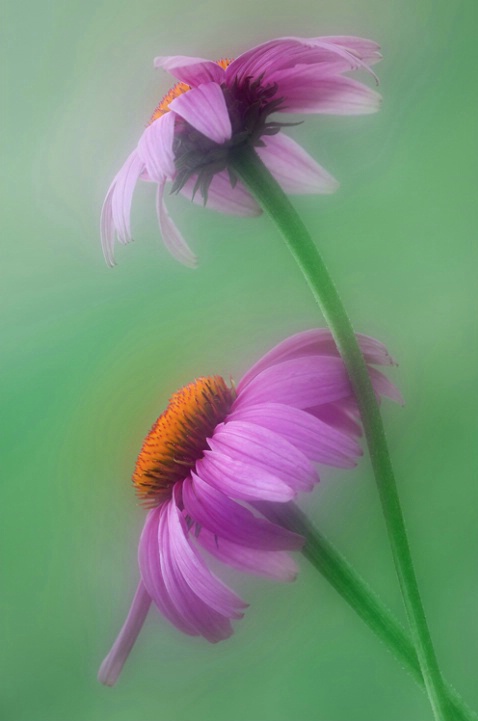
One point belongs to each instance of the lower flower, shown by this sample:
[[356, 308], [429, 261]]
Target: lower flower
[[214, 456]]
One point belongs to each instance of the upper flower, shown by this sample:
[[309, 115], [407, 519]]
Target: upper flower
[[217, 106], [214, 456]]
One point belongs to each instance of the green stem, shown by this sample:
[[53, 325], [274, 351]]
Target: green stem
[[338, 572], [275, 202]]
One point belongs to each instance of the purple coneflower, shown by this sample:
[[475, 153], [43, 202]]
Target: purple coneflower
[[215, 453], [218, 106]]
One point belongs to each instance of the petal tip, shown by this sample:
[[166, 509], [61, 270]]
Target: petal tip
[[332, 186]]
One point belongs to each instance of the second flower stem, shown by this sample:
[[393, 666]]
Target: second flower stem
[[275, 202], [353, 589]]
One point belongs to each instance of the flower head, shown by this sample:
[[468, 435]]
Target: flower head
[[214, 457], [215, 107]]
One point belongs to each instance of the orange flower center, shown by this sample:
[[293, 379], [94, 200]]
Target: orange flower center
[[178, 90], [179, 437]]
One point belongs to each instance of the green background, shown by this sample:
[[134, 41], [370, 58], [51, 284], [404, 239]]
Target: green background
[[91, 356]]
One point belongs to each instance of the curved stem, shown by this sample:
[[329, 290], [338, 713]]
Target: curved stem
[[275, 202], [353, 589]]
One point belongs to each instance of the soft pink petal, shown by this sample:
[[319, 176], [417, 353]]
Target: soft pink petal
[[192, 71], [206, 621], [277, 565], [124, 185], [205, 109], [113, 664], [367, 50], [173, 240], [356, 54], [384, 387], [155, 148], [307, 91], [195, 572], [292, 347], [300, 382], [223, 197], [265, 449], [316, 439], [107, 228], [227, 519], [294, 169], [317, 341], [152, 573], [340, 418], [241, 478], [282, 53]]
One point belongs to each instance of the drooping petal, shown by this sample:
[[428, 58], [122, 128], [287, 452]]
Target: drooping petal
[[277, 565], [317, 341], [173, 240], [317, 440], [124, 185], [221, 196], [329, 54], [111, 667], [326, 54], [241, 478], [193, 71], [305, 90], [205, 109], [265, 449], [193, 569], [214, 510], [365, 49], [339, 417], [193, 610], [293, 168], [384, 387], [206, 622], [155, 148], [301, 382], [152, 573], [107, 228]]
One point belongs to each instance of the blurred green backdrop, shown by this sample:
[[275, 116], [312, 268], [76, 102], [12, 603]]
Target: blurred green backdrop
[[91, 356]]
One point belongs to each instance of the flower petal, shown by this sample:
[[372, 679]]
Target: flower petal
[[317, 440], [124, 185], [385, 387], [192, 610], [240, 477], [107, 228], [152, 573], [328, 55], [264, 449], [111, 667], [221, 196], [173, 240], [363, 48], [155, 148], [294, 169], [227, 519], [195, 572], [305, 90], [338, 417], [205, 109], [277, 565], [193, 71], [300, 382], [317, 341]]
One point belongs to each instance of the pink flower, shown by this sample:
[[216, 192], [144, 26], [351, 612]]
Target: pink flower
[[217, 106], [219, 453]]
